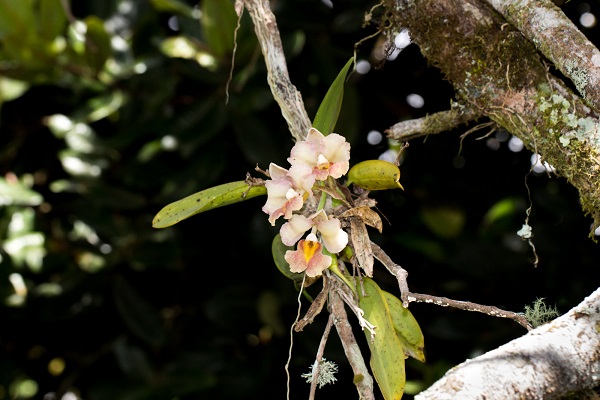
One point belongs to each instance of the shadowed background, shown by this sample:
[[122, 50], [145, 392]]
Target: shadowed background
[[120, 108]]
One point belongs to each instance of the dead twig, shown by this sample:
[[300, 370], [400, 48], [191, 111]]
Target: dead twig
[[407, 296]]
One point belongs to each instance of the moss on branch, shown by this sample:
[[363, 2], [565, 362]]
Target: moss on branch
[[495, 70]]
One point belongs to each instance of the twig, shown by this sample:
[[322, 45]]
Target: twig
[[344, 292], [407, 296], [284, 92], [432, 124], [319, 358], [362, 378]]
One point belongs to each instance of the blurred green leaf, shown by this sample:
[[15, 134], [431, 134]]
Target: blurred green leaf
[[329, 110], [24, 246], [133, 361], [504, 208], [97, 43], [11, 89], [445, 221], [143, 320], [51, 19], [218, 25], [17, 193], [205, 200], [188, 48], [16, 17], [174, 7]]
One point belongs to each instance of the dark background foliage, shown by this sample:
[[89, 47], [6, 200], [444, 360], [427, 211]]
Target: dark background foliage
[[103, 123]]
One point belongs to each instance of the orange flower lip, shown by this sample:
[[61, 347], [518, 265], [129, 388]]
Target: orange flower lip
[[309, 248]]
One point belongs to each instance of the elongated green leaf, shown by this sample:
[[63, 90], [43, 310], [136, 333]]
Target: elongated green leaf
[[387, 354], [329, 110], [218, 25], [407, 328], [218, 196]]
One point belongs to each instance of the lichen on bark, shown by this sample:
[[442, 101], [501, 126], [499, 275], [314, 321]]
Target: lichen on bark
[[495, 70]]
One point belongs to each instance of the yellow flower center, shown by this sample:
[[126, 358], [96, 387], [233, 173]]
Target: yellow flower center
[[310, 249]]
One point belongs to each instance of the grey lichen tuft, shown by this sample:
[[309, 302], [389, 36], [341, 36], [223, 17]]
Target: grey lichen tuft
[[578, 76], [540, 313], [326, 373]]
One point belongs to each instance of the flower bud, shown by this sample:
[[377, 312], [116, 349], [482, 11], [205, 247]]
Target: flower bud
[[375, 175]]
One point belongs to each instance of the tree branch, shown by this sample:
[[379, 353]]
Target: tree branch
[[362, 377], [433, 124], [408, 297], [497, 71], [553, 34], [549, 362], [285, 93]]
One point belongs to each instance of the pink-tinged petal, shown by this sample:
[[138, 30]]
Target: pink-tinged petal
[[275, 199], [315, 136], [334, 237], [337, 151], [335, 148], [302, 177], [308, 258], [319, 263], [339, 169], [295, 258], [294, 203], [276, 172], [294, 229], [282, 200], [304, 153]]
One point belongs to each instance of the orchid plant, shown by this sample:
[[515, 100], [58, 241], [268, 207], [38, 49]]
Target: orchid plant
[[325, 228], [313, 161]]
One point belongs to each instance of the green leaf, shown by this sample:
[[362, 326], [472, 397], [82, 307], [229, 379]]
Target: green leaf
[[329, 110], [506, 207], [16, 17], [97, 43], [218, 24], [445, 221], [407, 328], [387, 354], [278, 249], [51, 19], [218, 196], [18, 193], [142, 319], [174, 7], [11, 89]]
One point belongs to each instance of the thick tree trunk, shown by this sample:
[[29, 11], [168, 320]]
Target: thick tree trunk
[[549, 362], [498, 72]]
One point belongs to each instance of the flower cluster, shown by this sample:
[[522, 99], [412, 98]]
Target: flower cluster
[[312, 162]]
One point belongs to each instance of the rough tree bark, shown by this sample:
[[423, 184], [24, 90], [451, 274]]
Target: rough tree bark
[[550, 362], [499, 73]]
